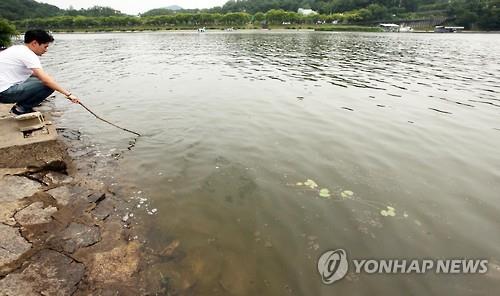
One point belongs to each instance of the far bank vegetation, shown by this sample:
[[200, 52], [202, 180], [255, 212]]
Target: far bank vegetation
[[472, 14]]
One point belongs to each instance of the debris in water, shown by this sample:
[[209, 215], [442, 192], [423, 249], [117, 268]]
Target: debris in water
[[324, 192], [310, 183], [390, 211], [384, 210], [347, 194], [170, 249]]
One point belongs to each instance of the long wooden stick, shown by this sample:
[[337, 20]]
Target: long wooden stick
[[102, 119]]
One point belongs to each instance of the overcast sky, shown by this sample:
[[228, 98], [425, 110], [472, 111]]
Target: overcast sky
[[134, 6]]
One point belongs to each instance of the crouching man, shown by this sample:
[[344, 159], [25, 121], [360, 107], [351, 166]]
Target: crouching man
[[22, 79]]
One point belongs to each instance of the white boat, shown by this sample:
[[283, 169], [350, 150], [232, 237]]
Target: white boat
[[443, 29]]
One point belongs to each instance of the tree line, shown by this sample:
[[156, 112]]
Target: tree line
[[238, 19], [473, 14], [6, 31]]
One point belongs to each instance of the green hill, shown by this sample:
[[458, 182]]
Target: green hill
[[22, 9], [29, 9], [473, 14], [332, 6]]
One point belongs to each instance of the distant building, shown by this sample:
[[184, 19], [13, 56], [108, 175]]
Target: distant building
[[304, 11]]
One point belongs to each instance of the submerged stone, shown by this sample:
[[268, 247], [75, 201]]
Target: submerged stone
[[78, 236], [170, 249], [115, 266]]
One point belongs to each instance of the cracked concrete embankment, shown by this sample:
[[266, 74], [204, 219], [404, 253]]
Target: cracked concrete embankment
[[61, 234]]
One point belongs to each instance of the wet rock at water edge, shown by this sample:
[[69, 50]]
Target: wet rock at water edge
[[115, 266], [65, 194], [49, 273], [103, 209], [35, 214], [96, 197], [69, 133], [79, 236]]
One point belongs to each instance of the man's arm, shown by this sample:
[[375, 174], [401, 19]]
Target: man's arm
[[50, 82]]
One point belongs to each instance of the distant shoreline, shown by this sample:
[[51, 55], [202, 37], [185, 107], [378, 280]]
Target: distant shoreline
[[256, 29], [248, 28]]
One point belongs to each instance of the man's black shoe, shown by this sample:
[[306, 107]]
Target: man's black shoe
[[16, 110]]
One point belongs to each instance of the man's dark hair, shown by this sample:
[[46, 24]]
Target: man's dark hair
[[41, 36]]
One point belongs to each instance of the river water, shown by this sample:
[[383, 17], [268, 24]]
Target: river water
[[235, 123]]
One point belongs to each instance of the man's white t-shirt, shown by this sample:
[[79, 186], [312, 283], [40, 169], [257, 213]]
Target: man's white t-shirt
[[16, 63]]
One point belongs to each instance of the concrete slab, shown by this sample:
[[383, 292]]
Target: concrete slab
[[10, 135], [19, 150]]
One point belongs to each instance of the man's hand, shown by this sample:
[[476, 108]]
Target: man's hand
[[73, 99]]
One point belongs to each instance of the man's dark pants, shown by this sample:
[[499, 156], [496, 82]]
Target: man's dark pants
[[26, 95]]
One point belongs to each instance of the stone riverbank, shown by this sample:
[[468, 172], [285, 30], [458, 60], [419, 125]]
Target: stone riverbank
[[62, 232]]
